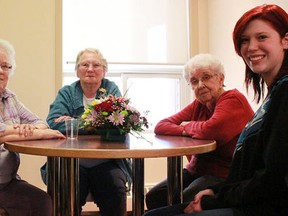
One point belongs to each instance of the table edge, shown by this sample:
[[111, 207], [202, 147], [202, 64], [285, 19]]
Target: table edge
[[113, 153]]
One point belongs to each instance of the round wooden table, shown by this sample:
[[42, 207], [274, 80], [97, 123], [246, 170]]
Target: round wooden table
[[63, 163]]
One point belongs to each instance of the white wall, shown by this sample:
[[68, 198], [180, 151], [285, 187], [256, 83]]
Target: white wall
[[30, 26]]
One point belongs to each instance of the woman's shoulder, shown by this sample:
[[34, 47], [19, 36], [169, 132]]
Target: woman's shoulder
[[236, 97], [111, 87], [280, 82], [8, 94], [280, 88], [71, 87], [72, 91], [235, 93], [107, 83]]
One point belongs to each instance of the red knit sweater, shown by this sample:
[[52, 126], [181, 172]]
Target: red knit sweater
[[224, 124]]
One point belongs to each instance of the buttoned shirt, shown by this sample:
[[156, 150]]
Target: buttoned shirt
[[12, 111]]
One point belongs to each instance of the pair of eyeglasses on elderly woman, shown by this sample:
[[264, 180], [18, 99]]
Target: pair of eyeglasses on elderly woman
[[87, 65], [204, 79], [6, 67]]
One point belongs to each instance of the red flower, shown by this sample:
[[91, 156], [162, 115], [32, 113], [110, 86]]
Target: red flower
[[105, 106]]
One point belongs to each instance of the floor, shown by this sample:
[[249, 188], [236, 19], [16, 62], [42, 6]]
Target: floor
[[91, 213]]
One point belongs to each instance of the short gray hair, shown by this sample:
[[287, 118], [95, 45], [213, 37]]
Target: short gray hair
[[7, 46], [92, 50], [203, 60]]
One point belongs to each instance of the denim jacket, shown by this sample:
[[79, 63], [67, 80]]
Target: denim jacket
[[69, 102]]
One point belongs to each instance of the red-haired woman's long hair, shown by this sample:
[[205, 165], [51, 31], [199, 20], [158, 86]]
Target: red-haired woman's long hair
[[278, 19]]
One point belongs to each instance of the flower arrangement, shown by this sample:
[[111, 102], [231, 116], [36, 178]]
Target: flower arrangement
[[111, 112]]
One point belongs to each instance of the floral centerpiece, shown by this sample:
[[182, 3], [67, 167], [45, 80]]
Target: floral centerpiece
[[112, 117]]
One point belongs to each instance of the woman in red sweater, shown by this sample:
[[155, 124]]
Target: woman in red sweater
[[215, 114]]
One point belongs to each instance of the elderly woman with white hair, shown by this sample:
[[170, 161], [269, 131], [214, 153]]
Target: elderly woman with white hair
[[215, 114], [17, 197]]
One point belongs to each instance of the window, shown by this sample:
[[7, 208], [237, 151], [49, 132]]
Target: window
[[144, 41]]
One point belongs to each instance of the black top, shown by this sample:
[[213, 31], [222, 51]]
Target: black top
[[258, 180]]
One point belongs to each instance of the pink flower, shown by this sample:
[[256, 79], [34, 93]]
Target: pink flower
[[116, 118]]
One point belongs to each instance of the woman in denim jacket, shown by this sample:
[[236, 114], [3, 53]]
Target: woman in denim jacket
[[105, 179]]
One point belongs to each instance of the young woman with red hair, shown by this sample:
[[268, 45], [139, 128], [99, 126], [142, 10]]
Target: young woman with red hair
[[258, 179]]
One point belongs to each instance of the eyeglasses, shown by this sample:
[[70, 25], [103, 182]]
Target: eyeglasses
[[6, 66], [203, 79], [87, 65]]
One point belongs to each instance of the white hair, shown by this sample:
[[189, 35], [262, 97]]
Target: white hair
[[5, 45], [203, 60]]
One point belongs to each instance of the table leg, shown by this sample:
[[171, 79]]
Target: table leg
[[174, 178], [69, 180], [138, 186], [53, 183], [63, 185]]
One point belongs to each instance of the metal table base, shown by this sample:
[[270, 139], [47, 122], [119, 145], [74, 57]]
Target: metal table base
[[63, 181]]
